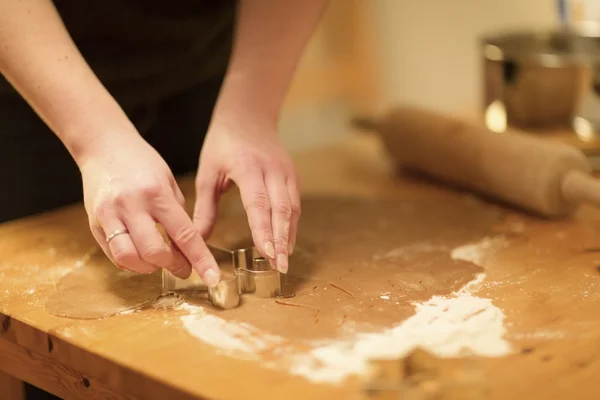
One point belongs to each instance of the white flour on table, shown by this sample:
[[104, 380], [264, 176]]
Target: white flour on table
[[454, 325]]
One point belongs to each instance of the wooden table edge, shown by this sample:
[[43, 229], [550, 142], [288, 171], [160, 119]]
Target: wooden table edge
[[69, 371]]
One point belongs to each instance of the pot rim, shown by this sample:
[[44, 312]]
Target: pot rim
[[543, 47]]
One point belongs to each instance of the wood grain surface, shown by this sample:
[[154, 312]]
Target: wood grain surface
[[11, 388], [545, 281]]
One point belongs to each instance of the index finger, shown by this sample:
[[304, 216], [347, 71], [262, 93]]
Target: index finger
[[178, 225], [258, 209]]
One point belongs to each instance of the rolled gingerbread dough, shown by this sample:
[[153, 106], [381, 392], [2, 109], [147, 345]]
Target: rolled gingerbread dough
[[357, 259], [363, 262], [99, 290]]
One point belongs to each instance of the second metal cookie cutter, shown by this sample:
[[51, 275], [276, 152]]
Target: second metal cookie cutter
[[243, 271]]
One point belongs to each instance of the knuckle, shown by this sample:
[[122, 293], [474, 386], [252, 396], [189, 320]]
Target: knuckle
[[296, 208], [121, 199], [281, 242], [259, 202], [146, 190], [201, 262], [152, 189], [284, 209], [185, 236], [125, 257], [101, 211], [275, 165], [249, 159], [154, 254]]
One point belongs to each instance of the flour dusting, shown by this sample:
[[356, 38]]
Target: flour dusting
[[406, 252], [460, 324], [229, 335], [28, 279], [547, 335], [477, 252], [454, 325], [189, 308]]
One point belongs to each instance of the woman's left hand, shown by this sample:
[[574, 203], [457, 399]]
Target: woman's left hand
[[254, 158]]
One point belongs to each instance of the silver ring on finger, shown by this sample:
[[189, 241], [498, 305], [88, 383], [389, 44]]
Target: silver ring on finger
[[115, 234]]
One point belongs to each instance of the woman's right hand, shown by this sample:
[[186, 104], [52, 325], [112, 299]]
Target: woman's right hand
[[129, 188], [126, 183]]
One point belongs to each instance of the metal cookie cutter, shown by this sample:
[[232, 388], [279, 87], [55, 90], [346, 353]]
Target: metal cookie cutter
[[260, 279], [246, 270], [226, 294]]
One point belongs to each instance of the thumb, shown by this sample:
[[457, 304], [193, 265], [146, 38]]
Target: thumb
[[206, 206]]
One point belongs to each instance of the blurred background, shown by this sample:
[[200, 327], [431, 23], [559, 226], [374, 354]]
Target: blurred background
[[368, 55]]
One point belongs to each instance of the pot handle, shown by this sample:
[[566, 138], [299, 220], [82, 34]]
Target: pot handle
[[510, 71], [596, 79]]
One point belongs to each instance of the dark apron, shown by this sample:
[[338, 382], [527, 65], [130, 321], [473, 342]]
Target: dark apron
[[163, 61]]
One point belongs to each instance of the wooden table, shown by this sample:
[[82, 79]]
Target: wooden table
[[545, 281]]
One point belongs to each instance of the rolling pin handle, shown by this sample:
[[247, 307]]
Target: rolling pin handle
[[578, 186]]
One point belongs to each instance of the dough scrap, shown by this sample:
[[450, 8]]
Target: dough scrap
[[99, 290]]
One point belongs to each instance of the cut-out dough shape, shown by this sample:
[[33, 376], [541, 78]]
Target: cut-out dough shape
[[99, 290]]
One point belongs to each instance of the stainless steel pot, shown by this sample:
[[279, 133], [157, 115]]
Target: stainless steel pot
[[543, 80]]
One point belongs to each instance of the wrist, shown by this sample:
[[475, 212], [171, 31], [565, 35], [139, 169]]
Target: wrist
[[95, 133], [84, 148], [249, 97], [241, 118]]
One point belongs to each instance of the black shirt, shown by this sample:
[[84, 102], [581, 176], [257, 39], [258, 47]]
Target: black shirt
[[144, 50]]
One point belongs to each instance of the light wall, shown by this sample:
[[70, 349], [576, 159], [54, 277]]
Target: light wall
[[430, 48], [368, 55], [335, 78]]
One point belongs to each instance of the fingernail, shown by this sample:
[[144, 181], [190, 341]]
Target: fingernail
[[282, 263], [270, 249], [211, 278]]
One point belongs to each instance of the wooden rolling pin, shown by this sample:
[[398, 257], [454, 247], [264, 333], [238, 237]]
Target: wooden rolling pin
[[547, 178]]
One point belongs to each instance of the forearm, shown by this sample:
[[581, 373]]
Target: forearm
[[269, 40], [38, 57]]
